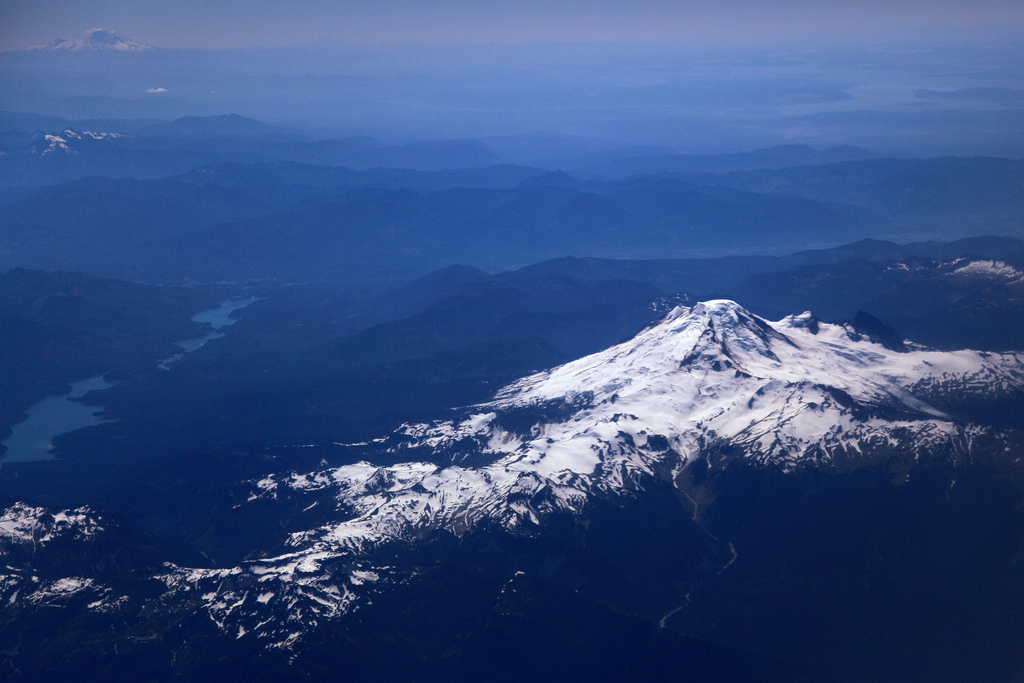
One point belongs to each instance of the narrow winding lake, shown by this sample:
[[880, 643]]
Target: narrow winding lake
[[32, 438], [217, 317]]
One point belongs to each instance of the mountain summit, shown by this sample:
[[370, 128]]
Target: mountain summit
[[646, 441], [94, 39], [710, 383], [706, 387]]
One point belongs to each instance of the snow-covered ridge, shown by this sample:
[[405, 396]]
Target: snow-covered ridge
[[963, 269], [80, 135], [789, 394], [991, 269], [27, 525], [65, 143]]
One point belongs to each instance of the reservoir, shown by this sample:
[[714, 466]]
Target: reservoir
[[32, 439], [217, 317]]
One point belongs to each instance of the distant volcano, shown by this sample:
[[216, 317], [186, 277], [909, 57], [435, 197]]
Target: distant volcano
[[94, 39]]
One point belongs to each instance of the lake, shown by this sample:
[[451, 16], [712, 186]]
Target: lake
[[217, 317], [32, 439]]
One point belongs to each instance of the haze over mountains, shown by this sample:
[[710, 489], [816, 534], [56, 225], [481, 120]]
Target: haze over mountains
[[944, 97], [228, 198]]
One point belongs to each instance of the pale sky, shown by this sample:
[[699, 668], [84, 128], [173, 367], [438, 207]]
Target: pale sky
[[230, 23]]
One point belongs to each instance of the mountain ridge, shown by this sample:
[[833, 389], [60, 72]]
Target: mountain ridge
[[708, 384]]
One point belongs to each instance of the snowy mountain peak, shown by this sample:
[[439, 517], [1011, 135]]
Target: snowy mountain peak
[[94, 39], [710, 384], [730, 333], [792, 393]]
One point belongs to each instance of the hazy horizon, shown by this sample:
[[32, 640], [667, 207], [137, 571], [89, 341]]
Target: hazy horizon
[[927, 78], [734, 23]]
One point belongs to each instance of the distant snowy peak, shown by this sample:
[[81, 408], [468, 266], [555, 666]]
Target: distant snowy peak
[[72, 134], [964, 270], [989, 269], [94, 39]]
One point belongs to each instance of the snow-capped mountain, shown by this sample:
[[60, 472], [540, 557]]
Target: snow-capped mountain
[[706, 388], [711, 383], [94, 39], [789, 394]]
